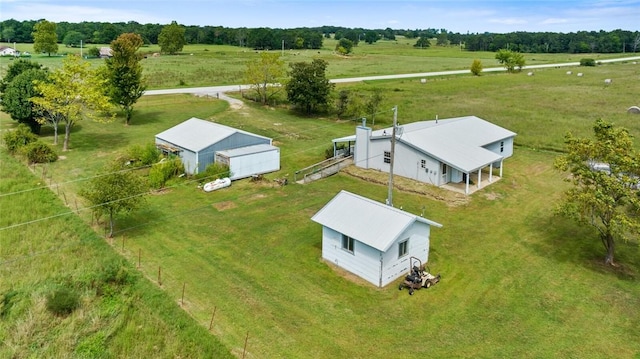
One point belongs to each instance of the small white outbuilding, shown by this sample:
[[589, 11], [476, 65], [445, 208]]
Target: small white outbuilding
[[371, 239], [251, 160]]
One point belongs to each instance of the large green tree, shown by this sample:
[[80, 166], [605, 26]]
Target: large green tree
[[124, 72], [605, 173], [73, 38], [45, 38], [422, 43], [171, 38], [72, 93], [15, 69], [16, 99], [308, 87], [115, 192], [263, 73], [511, 60]]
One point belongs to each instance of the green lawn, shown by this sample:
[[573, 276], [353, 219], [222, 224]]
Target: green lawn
[[518, 281]]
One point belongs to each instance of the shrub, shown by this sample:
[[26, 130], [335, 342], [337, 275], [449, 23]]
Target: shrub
[[116, 272], [214, 171], [476, 67], [587, 62], [62, 301], [144, 155], [18, 138], [164, 170], [40, 152]]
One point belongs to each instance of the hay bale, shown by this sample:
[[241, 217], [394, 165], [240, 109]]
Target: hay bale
[[607, 81], [634, 110], [579, 74], [423, 81], [529, 73], [569, 72]]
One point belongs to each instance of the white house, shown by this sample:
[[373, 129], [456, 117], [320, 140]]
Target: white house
[[105, 52], [437, 152], [8, 51], [370, 239], [200, 143]]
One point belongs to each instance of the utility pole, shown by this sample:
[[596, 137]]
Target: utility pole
[[393, 148]]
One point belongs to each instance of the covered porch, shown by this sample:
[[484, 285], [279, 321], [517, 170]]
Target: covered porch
[[476, 180]]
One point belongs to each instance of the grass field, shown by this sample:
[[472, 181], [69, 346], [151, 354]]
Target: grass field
[[518, 281], [207, 65]]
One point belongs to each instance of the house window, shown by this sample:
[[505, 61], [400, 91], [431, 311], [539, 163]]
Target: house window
[[387, 157], [444, 168], [347, 243], [501, 146], [423, 163], [403, 248]]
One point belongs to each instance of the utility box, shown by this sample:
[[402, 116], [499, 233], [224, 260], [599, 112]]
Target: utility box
[[251, 160]]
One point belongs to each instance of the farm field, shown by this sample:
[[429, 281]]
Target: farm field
[[518, 281], [207, 65]]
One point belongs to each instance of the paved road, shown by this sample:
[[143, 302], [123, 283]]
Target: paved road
[[218, 91]]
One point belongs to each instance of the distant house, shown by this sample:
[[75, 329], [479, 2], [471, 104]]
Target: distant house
[[105, 52], [438, 152], [200, 143], [8, 51], [370, 239]]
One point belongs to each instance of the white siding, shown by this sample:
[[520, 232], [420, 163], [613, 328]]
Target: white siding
[[366, 261], [363, 262], [249, 164], [395, 267]]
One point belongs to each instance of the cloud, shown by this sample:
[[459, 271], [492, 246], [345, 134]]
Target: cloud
[[552, 21]]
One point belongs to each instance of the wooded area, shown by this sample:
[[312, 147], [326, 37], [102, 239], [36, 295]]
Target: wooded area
[[70, 34]]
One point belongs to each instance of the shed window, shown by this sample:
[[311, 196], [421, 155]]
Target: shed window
[[501, 146], [403, 248], [347, 243], [387, 157], [444, 168], [423, 163]]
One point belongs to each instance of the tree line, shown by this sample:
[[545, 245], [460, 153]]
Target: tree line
[[70, 34]]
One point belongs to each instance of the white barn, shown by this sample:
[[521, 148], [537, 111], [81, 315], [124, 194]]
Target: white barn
[[198, 143], [370, 239], [437, 152]]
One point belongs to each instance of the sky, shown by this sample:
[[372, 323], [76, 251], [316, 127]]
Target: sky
[[463, 16]]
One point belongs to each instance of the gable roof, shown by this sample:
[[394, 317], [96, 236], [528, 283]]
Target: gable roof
[[456, 141], [195, 134], [373, 223]]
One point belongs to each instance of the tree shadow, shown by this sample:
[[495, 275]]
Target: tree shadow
[[566, 241], [139, 119]]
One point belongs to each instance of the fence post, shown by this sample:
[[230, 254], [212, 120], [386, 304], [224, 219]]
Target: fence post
[[182, 300], [244, 351], [212, 316], [159, 278]]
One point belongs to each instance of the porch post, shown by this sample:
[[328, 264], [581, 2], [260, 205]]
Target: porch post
[[466, 189], [501, 162], [491, 172], [479, 177]]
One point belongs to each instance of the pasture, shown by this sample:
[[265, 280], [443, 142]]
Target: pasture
[[518, 281], [207, 65]]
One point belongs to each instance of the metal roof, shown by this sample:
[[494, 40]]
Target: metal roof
[[373, 223], [247, 150], [195, 134], [456, 141]]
